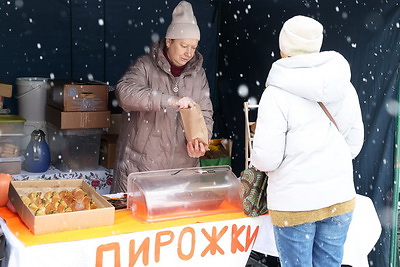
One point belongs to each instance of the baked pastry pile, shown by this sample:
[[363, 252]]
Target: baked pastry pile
[[58, 202], [8, 150]]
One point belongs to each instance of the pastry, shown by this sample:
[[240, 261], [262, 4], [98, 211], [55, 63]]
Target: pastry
[[58, 202]]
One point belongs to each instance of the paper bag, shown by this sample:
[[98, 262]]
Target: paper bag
[[194, 125]]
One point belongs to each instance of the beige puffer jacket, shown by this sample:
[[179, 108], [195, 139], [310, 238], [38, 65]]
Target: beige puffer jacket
[[151, 135]]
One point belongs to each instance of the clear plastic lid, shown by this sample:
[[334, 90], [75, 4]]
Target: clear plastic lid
[[11, 119], [177, 193], [16, 159]]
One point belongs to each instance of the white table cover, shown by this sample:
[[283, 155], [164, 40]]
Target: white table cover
[[363, 234]]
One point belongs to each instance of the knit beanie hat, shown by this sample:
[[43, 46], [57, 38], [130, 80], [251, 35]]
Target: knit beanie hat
[[184, 24], [300, 35]]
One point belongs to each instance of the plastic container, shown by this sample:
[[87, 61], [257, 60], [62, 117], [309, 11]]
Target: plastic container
[[32, 97], [10, 145], [11, 124], [74, 149], [11, 165], [178, 193]]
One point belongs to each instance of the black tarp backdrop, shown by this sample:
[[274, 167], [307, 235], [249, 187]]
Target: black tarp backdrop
[[89, 40], [367, 33], [98, 39]]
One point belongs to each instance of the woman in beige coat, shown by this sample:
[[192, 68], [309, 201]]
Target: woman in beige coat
[[151, 93]]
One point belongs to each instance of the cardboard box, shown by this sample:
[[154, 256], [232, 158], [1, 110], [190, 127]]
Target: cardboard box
[[59, 222], [108, 147], [69, 95], [5, 89], [77, 120], [115, 124]]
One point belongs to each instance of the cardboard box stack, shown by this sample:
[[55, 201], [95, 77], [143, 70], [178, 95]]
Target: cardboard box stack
[[76, 114]]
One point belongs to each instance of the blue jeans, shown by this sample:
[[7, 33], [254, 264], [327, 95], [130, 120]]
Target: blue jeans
[[317, 244]]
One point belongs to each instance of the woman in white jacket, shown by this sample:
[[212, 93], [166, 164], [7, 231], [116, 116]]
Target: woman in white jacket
[[311, 193]]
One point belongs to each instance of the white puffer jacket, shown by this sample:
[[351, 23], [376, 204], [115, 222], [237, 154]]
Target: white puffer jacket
[[309, 162]]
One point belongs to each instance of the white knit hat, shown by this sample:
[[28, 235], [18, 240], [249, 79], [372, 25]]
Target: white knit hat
[[301, 35], [184, 24]]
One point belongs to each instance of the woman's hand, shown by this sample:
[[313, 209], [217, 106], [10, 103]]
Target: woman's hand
[[195, 149], [186, 102], [180, 103]]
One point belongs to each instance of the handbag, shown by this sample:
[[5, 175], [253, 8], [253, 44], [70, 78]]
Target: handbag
[[254, 184]]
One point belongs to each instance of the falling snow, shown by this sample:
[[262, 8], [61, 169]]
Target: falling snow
[[99, 45]]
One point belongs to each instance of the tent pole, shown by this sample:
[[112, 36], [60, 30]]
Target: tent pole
[[394, 250]]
